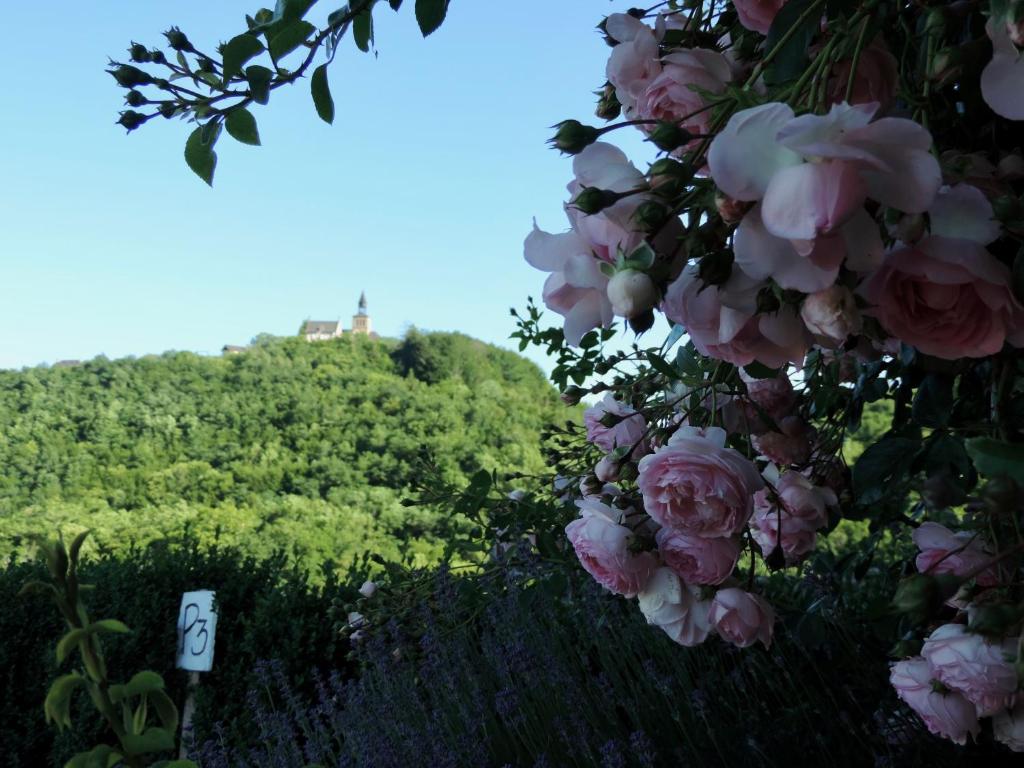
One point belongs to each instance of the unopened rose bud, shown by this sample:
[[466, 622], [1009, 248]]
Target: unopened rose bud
[[177, 40], [139, 53], [131, 120], [669, 136], [1002, 496], [731, 211], [135, 99], [356, 620], [608, 106], [128, 76], [572, 137], [1010, 168], [369, 589], [831, 315], [607, 470], [572, 395], [609, 419], [1008, 208], [168, 109], [939, 492], [715, 268], [632, 293], [592, 200], [590, 486], [650, 215]]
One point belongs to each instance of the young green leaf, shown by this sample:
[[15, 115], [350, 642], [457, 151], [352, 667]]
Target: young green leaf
[[109, 626], [237, 51], [144, 682], [322, 99], [259, 83], [289, 37], [362, 30], [994, 457], [200, 157], [430, 14], [242, 126]]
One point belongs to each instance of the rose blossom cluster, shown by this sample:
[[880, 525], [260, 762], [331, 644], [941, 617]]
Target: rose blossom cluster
[[677, 555], [827, 224], [960, 677]]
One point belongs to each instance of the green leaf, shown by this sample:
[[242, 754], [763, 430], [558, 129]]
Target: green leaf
[[151, 740], [289, 37], [259, 83], [101, 756], [242, 126], [238, 51], [994, 457], [881, 467], [76, 546], [362, 30], [109, 626], [165, 709], [322, 94], [200, 157], [430, 14], [144, 682], [38, 587], [790, 60], [662, 366], [69, 642], [758, 370], [933, 402], [57, 705]]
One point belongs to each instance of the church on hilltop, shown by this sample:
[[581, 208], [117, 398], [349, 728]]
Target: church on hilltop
[[321, 330]]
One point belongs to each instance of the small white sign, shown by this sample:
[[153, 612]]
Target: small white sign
[[197, 628]]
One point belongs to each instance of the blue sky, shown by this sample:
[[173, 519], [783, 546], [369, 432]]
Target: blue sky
[[420, 193]]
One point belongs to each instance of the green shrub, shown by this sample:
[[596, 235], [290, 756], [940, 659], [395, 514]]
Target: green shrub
[[267, 609]]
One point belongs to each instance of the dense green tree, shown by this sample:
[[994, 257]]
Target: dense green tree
[[303, 447]]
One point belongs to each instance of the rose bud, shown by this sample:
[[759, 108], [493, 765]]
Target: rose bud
[[669, 136], [730, 210], [608, 106], [131, 120], [831, 315], [572, 137], [715, 268], [592, 200], [631, 293], [139, 53], [177, 40], [368, 590], [128, 76]]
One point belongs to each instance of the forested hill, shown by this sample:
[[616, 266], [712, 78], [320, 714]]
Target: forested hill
[[303, 446]]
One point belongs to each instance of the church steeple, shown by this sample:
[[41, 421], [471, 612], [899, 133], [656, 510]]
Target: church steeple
[[361, 320]]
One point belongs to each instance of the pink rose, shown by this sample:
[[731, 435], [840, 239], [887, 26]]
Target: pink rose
[[742, 618], [792, 517], [696, 559], [973, 666], [697, 486], [633, 62], [814, 172], [607, 470], [1008, 727], [602, 545], [876, 80], [947, 295], [605, 166], [757, 15], [576, 287], [945, 714], [1002, 80], [943, 551], [627, 432], [671, 97], [791, 445], [831, 316], [676, 608], [948, 298], [723, 322], [775, 396]]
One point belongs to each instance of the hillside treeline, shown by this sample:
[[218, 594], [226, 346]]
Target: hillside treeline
[[289, 445]]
